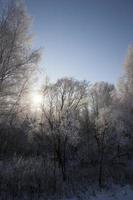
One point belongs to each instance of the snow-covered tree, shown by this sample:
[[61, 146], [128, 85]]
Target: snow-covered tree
[[63, 101], [123, 106], [17, 59]]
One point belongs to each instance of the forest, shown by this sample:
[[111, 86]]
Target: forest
[[66, 137]]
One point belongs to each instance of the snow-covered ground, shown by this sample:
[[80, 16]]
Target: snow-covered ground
[[113, 193], [116, 193]]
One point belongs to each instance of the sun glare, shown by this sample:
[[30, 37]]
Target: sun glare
[[36, 99]]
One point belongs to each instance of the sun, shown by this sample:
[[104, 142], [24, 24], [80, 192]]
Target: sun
[[36, 99]]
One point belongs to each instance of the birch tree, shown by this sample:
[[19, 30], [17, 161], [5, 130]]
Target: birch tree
[[17, 59]]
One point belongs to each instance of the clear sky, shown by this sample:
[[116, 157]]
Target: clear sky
[[85, 39]]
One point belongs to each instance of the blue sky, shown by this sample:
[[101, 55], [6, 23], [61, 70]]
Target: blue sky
[[84, 39]]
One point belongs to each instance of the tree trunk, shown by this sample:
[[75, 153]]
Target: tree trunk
[[100, 178]]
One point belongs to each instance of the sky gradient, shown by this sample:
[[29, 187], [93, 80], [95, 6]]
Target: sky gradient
[[84, 39]]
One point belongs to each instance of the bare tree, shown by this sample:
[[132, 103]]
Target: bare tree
[[62, 104], [101, 108], [17, 60]]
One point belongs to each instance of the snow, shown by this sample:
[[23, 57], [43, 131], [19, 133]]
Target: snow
[[116, 193]]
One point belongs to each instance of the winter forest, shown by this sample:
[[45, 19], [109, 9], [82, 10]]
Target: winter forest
[[65, 138]]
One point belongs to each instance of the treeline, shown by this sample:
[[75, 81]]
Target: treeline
[[82, 132]]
